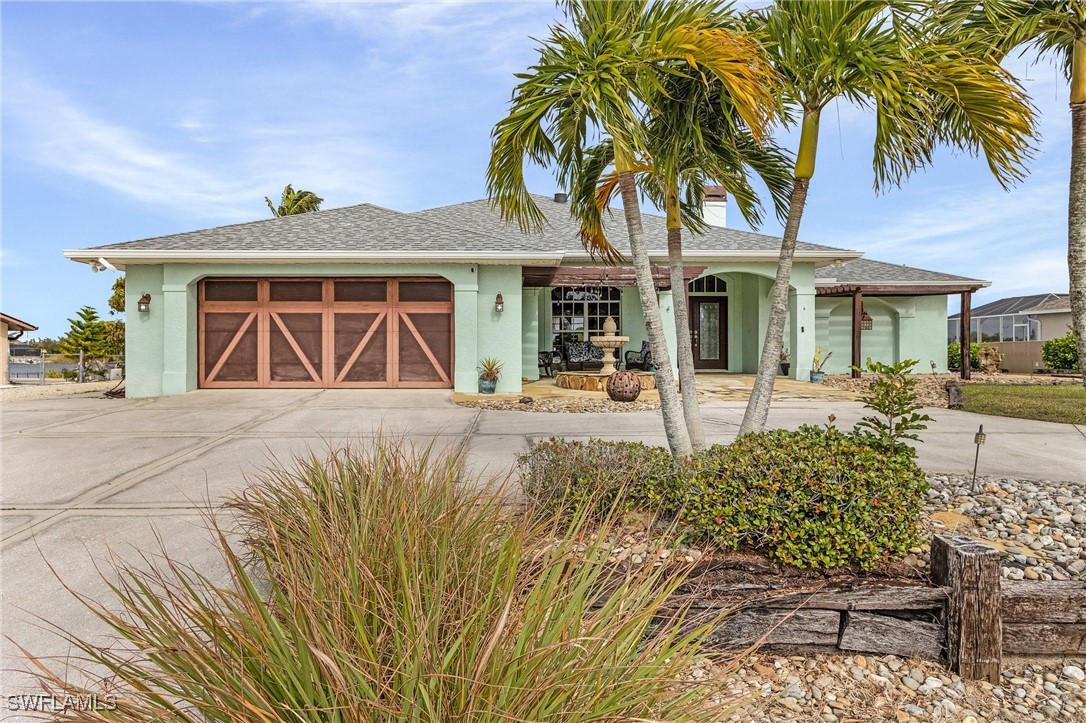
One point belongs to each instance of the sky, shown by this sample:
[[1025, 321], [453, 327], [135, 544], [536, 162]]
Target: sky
[[129, 120]]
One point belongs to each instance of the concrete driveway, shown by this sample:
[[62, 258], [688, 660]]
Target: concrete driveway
[[84, 477]]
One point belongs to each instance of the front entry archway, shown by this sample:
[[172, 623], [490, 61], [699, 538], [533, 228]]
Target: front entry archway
[[708, 305]]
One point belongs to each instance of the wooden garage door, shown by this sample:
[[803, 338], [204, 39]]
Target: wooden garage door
[[325, 333]]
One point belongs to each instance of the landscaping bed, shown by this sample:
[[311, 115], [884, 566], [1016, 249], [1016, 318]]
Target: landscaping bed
[[931, 388]]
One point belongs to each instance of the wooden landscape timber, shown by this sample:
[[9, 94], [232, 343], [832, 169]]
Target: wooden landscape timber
[[968, 618]]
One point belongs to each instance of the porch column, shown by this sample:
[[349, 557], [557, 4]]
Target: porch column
[[857, 312], [178, 339], [667, 312], [466, 350], [529, 322], [963, 333]]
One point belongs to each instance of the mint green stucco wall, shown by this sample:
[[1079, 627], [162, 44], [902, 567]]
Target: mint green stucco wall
[[161, 349], [143, 351], [903, 327]]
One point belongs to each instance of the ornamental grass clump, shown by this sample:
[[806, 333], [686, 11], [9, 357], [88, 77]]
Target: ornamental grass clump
[[376, 586]]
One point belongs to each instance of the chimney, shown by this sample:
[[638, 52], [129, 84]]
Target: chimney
[[714, 208], [560, 197]]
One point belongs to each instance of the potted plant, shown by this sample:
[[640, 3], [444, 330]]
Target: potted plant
[[786, 362], [490, 371], [817, 375]]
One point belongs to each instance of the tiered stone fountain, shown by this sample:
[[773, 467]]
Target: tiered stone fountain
[[608, 341]]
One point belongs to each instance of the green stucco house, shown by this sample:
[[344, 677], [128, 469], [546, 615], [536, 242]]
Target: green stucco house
[[369, 297]]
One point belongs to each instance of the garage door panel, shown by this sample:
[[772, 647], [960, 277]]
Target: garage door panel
[[424, 347], [361, 348], [294, 348], [326, 333], [230, 347]]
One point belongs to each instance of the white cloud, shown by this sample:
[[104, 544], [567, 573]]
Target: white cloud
[[215, 170]]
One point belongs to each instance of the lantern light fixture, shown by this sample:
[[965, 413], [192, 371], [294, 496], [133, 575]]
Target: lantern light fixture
[[866, 322], [144, 304], [499, 303]]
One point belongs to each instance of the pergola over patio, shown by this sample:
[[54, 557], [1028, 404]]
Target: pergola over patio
[[549, 276], [857, 292]]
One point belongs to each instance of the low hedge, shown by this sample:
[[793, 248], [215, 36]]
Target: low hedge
[[817, 497]]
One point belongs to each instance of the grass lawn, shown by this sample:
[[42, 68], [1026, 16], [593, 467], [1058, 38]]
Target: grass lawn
[[1064, 403]]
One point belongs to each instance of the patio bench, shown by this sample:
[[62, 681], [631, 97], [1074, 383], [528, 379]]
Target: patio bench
[[582, 356]]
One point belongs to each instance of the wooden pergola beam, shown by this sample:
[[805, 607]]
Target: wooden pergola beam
[[963, 334], [857, 314], [547, 276], [893, 290]]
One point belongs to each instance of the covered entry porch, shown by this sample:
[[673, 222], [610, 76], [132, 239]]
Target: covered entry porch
[[728, 307]]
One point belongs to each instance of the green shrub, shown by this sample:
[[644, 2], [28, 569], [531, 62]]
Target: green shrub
[[893, 398], [954, 355], [561, 474], [1060, 353], [817, 497], [395, 592]]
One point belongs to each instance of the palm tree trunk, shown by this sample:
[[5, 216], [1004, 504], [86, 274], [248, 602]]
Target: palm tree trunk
[[757, 413], [678, 439], [1076, 207], [691, 409]]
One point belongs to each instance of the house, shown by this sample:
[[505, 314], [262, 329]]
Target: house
[[365, 296], [1017, 326], [10, 330]]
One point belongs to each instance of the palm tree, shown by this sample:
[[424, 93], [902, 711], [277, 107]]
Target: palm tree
[[591, 81], [694, 137], [878, 54], [295, 202], [1050, 28]]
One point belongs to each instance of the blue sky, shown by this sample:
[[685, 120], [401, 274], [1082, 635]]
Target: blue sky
[[129, 120]]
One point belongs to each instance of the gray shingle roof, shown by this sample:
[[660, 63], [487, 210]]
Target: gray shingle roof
[[560, 233], [353, 228], [869, 271], [1014, 305], [1055, 302]]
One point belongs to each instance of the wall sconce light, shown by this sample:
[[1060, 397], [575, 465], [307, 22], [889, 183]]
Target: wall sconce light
[[866, 322], [144, 304], [499, 303]]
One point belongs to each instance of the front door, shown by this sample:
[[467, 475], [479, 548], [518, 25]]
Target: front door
[[709, 331]]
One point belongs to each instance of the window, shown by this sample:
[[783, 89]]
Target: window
[[708, 285], [578, 312]]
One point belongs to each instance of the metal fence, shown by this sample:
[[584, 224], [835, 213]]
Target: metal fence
[[65, 368]]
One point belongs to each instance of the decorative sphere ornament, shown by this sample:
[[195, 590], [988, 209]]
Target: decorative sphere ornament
[[623, 386]]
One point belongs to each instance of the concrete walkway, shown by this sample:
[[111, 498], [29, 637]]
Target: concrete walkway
[[86, 477]]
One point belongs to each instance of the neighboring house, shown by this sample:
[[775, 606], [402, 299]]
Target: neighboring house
[[1017, 326], [10, 330], [369, 297]]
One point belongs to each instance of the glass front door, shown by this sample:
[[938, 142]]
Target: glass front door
[[709, 331]]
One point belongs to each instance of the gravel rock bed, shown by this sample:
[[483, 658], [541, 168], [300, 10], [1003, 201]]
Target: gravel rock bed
[[561, 404], [1039, 526], [836, 689]]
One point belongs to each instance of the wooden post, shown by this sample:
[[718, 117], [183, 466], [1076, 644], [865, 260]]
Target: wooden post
[[974, 621], [963, 334], [857, 312]]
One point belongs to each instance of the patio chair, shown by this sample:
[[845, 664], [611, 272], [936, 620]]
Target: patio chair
[[548, 361], [582, 356], [639, 359]]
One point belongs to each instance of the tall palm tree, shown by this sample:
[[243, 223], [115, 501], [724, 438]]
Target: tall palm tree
[[591, 81], [694, 137], [877, 54], [295, 202], [1049, 28]]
